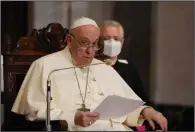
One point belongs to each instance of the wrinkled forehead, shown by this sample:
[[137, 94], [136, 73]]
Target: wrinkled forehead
[[89, 32]]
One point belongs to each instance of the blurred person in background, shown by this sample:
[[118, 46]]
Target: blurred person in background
[[112, 37]]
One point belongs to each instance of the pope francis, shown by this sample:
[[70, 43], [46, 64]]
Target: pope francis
[[80, 89]]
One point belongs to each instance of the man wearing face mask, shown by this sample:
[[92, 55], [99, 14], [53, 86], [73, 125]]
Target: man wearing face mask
[[112, 34]]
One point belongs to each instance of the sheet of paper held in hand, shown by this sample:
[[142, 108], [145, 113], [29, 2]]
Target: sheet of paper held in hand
[[115, 106]]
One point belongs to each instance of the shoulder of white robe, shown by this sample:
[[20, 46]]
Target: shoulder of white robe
[[95, 61], [125, 86], [19, 104], [35, 70]]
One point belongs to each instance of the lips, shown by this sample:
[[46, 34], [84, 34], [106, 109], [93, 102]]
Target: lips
[[89, 57]]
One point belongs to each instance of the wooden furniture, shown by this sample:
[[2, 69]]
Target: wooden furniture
[[17, 62]]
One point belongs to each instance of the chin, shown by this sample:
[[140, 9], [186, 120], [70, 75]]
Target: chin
[[87, 62]]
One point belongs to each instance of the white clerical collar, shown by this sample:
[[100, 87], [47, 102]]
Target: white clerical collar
[[123, 61], [119, 60]]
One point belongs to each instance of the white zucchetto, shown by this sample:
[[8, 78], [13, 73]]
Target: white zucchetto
[[83, 21]]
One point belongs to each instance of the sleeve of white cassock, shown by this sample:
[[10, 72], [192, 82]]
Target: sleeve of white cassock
[[31, 100], [134, 118]]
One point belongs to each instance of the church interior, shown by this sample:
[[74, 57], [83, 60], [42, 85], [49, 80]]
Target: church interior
[[159, 41]]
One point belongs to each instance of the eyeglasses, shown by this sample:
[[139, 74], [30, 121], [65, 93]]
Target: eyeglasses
[[85, 45]]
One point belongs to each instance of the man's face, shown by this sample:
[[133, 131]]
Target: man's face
[[110, 36], [111, 32], [83, 42]]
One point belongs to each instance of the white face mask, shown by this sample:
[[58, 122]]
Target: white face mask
[[112, 47]]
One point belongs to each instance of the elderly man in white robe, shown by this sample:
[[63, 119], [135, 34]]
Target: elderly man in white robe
[[71, 90]]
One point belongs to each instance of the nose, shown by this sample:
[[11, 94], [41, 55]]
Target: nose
[[90, 50]]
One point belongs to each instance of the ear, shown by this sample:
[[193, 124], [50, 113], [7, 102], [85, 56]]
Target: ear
[[68, 39]]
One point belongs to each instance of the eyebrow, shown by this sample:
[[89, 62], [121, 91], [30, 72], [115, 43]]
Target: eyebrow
[[84, 38]]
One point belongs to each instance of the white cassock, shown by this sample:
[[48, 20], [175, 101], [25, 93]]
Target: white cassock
[[66, 97]]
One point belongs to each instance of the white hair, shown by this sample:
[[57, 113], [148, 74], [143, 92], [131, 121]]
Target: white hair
[[115, 24]]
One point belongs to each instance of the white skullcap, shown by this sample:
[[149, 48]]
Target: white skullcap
[[83, 21]]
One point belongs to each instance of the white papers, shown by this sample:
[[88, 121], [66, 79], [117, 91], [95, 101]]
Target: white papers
[[115, 106]]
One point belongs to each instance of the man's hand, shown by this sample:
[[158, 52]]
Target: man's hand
[[85, 119], [152, 115]]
